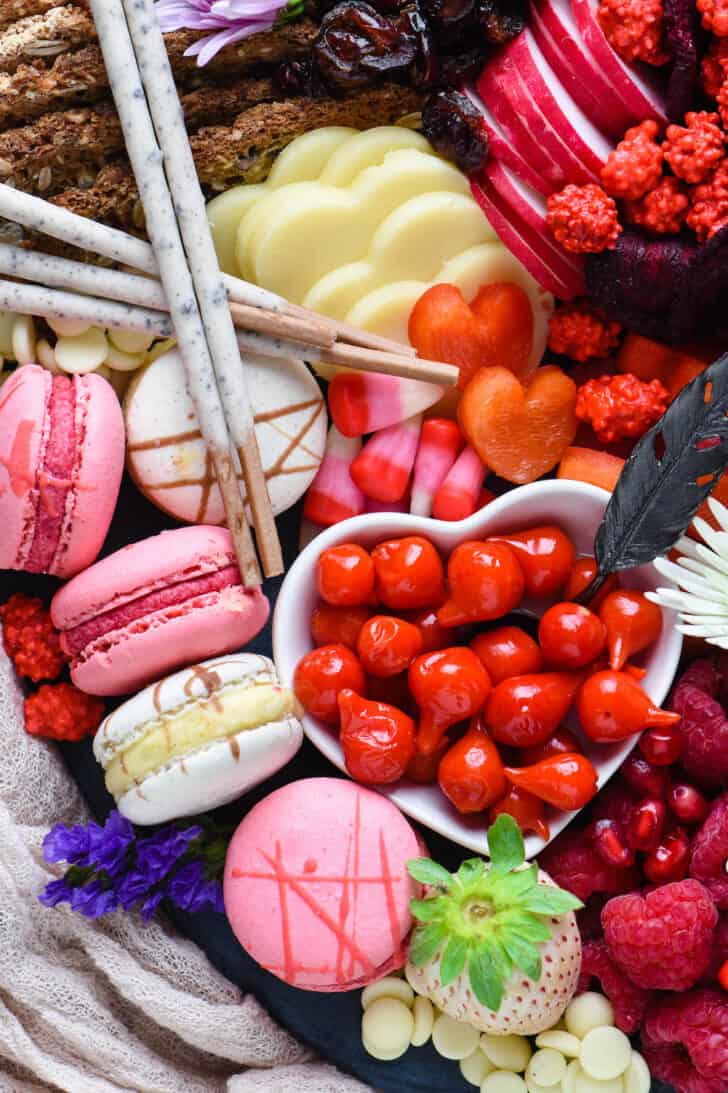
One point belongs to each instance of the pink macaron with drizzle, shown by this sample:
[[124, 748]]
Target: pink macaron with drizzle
[[316, 887], [61, 461], [167, 601]]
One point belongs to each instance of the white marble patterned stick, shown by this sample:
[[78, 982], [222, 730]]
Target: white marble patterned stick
[[50, 303], [189, 205], [147, 163]]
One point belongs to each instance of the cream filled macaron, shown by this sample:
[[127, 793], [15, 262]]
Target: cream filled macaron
[[198, 739]]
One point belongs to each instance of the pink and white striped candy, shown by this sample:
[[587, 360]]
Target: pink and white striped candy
[[459, 494], [440, 443], [364, 402], [333, 495], [382, 468]]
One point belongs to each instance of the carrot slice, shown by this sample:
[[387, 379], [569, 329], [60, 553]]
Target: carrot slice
[[592, 466]]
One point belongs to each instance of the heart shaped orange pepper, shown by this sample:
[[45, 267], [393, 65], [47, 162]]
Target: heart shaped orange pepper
[[496, 328], [519, 432]]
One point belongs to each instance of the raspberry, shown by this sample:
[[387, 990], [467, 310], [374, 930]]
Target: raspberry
[[709, 203], [580, 332], [704, 725], [60, 711], [715, 67], [574, 864], [715, 16], [695, 150], [685, 1041], [583, 219], [663, 209], [635, 29], [719, 955], [662, 940], [710, 853], [589, 917], [620, 407], [635, 165], [30, 639], [628, 1000]]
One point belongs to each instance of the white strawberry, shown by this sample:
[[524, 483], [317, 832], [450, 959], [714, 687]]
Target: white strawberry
[[498, 945]]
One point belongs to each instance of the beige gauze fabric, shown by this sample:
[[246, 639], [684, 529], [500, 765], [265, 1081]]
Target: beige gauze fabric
[[110, 1005]]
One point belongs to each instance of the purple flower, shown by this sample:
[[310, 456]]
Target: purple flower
[[69, 844], [228, 20], [133, 887], [189, 889], [93, 900], [160, 852], [109, 845], [55, 892], [149, 907]]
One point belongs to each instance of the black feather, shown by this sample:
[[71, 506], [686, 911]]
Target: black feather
[[668, 476]]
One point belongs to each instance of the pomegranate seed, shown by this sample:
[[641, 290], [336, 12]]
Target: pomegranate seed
[[688, 803], [661, 747], [668, 861], [645, 779], [645, 824], [723, 976], [608, 844]]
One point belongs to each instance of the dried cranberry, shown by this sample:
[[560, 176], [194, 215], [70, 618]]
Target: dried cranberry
[[455, 128], [445, 13], [501, 20], [356, 45], [426, 65], [459, 66], [299, 78]]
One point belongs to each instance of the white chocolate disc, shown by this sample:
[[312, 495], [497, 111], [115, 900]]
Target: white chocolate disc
[[506, 1052], [560, 1041], [636, 1078], [23, 339], [389, 987], [386, 1028], [503, 1081], [123, 362], [68, 328], [131, 341], [166, 455], [605, 1053], [476, 1067], [454, 1039], [83, 352], [546, 1067], [587, 1011], [46, 356], [423, 1012], [583, 1083]]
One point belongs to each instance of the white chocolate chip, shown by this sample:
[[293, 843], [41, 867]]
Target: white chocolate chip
[[68, 328], [123, 362], [475, 1068], [83, 353], [389, 987], [583, 1083], [636, 1078], [46, 356], [454, 1039], [131, 341], [560, 1041], [588, 1011], [568, 1084], [386, 1028], [423, 1012], [23, 339], [547, 1067], [534, 1087], [503, 1081], [605, 1053], [506, 1052]]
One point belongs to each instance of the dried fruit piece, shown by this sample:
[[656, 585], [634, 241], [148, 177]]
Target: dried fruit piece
[[501, 21], [696, 148], [592, 466], [579, 331], [635, 29], [620, 407], [59, 711], [583, 219], [663, 209], [356, 45], [635, 165], [456, 129]]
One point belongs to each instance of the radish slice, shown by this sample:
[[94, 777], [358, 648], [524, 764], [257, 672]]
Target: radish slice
[[550, 268], [640, 94], [575, 67], [503, 150]]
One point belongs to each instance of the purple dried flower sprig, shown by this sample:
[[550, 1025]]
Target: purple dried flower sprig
[[111, 866], [228, 20]]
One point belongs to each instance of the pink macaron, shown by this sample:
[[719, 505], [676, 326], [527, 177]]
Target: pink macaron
[[61, 461], [316, 886], [170, 600]]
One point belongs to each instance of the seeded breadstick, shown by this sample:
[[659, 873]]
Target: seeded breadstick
[[51, 303]]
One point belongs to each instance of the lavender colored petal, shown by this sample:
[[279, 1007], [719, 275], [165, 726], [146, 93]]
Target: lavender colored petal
[[149, 907], [69, 844], [93, 901], [246, 9], [133, 887], [55, 892], [160, 852], [184, 885], [109, 845], [209, 47]]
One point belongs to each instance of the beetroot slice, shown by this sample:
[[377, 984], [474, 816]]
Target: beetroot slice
[[686, 41]]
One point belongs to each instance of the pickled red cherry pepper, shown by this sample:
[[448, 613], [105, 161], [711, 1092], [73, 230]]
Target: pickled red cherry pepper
[[486, 582], [546, 556], [527, 810], [526, 710], [566, 781], [378, 740], [507, 651], [319, 677], [613, 706], [345, 575], [409, 573], [387, 645], [471, 772], [448, 686], [632, 623]]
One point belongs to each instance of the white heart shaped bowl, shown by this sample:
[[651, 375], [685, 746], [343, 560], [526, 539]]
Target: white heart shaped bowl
[[574, 506]]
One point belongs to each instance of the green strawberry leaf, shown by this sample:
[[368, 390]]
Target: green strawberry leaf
[[505, 844], [427, 871], [453, 960], [510, 889], [529, 927], [425, 942], [500, 958], [485, 979], [427, 910], [470, 870], [547, 900], [524, 955]]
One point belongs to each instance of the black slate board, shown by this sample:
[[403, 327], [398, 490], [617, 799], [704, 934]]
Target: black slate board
[[329, 1023]]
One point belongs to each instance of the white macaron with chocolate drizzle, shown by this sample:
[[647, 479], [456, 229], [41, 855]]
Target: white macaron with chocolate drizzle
[[199, 738]]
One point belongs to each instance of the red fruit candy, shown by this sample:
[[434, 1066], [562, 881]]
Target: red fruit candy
[[471, 772], [507, 651], [661, 746], [319, 677], [528, 811], [345, 575], [646, 823], [663, 940], [685, 1040], [486, 582], [565, 781], [633, 623], [525, 710], [688, 803], [669, 860], [571, 636], [613, 706], [59, 711], [629, 1001], [409, 573], [387, 646], [378, 740], [710, 852], [546, 556], [30, 639], [560, 743], [448, 685], [643, 778], [332, 625]]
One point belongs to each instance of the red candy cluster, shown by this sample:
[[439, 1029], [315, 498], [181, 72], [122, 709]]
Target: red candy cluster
[[620, 407], [635, 29], [581, 332], [635, 165], [58, 711], [583, 219], [419, 687]]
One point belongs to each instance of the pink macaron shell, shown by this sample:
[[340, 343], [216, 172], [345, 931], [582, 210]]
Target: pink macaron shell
[[344, 930], [140, 568], [23, 402], [204, 626], [97, 477]]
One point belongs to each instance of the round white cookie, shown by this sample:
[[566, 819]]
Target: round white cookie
[[168, 460], [198, 739]]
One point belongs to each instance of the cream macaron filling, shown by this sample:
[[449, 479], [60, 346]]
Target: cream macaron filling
[[235, 708]]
